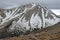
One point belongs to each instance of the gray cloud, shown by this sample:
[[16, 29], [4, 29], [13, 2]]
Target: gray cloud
[[48, 3]]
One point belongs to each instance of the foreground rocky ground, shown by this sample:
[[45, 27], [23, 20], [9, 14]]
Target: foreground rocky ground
[[50, 33]]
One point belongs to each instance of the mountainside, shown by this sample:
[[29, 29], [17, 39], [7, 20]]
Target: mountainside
[[50, 33], [27, 18]]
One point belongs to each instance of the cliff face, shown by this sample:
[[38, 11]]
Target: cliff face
[[27, 18]]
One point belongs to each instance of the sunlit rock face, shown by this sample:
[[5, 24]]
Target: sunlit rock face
[[29, 17]]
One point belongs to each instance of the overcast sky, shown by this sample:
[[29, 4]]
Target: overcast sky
[[48, 3]]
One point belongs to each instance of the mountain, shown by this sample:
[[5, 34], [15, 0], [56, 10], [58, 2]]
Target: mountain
[[27, 18]]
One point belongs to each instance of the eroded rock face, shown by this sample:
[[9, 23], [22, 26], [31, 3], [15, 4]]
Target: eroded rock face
[[29, 17]]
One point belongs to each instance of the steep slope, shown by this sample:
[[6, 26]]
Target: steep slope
[[27, 18], [50, 33]]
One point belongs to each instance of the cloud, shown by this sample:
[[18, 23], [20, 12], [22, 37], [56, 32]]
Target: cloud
[[56, 11], [48, 3]]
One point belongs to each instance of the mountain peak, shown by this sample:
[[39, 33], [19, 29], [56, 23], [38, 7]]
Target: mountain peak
[[28, 17]]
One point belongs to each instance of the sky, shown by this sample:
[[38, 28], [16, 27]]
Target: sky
[[51, 4]]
